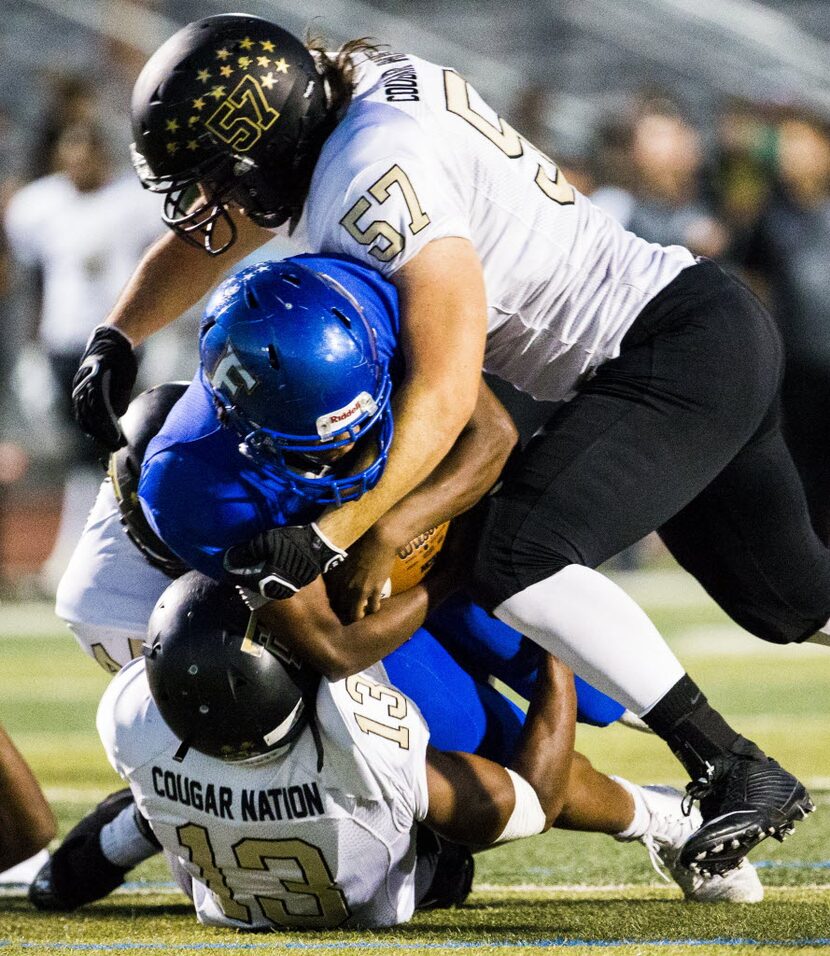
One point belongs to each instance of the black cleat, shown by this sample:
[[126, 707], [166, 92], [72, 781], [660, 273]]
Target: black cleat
[[743, 800], [452, 878], [78, 872]]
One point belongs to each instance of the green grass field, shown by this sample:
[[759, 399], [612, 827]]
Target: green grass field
[[556, 892]]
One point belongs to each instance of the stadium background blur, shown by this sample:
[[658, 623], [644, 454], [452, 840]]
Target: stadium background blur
[[705, 124]]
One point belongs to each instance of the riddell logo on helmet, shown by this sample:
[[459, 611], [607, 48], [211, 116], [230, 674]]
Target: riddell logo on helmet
[[340, 419]]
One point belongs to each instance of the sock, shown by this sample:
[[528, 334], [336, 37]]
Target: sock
[[124, 842], [695, 732], [595, 628], [639, 823]]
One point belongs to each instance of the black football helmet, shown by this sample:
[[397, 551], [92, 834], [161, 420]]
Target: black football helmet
[[231, 109], [140, 423], [220, 680]]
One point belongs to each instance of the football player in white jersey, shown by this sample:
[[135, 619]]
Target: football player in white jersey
[[670, 368], [285, 800]]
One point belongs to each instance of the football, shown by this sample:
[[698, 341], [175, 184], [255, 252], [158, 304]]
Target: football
[[414, 560]]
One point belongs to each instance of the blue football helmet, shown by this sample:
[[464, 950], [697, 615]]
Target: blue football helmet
[[294, 369]]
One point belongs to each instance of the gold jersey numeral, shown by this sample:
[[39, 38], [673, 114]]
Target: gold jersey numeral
[[196, 840], [357, 687], [315, 880], [243, 117], [553, 184], [317, 883], [384, 240]]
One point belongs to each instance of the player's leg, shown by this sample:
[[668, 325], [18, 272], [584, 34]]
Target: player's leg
[[108, 590], [749, 540], [95, 855], [486, 646], [696, 376], [26, 820], [656, 817]]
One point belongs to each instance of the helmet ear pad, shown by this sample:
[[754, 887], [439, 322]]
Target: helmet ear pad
[[294, 368], [220, 680]]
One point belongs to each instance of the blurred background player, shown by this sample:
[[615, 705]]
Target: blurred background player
[[80, 229]]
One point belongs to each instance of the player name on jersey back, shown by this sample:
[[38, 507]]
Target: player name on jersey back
[[274, 803]]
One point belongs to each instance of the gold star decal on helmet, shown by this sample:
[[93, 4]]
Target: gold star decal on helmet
[[193, 119], [244, 62], [172, 147], [280, 65], [203, 76], [217, 92], [192, 144], [198, 103], [247, 43], [171, 125], [268, 80], [226, 70], [267, 45], [222, 54], [262, 60]]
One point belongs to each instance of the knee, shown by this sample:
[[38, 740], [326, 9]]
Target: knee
[[791, 627], [505, 565]]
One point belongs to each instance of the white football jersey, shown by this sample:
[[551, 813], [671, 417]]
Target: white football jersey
[[419, 156], [272, 842]]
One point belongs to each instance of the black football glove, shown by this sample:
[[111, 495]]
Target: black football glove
[[277, 563], [103, 384]]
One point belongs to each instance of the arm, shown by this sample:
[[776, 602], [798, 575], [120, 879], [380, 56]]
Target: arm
[[460, 480], [444, 324], [172, 277], [26, 821], [471, 468], [306, 625], [471, 799]]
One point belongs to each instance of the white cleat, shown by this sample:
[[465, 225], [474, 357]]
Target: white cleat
[[668, 830]]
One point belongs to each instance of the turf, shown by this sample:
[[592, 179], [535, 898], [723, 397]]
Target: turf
[[560, 892]]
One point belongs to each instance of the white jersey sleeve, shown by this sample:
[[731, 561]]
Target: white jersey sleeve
[[378, 195], [388, 737]]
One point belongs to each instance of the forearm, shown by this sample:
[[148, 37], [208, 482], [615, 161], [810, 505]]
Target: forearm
[[26, 821], [545, 750], [339, 650], [424, 433], [171, 278], [460, 480]]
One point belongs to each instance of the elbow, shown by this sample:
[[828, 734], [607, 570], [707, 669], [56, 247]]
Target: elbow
[[335, 664]]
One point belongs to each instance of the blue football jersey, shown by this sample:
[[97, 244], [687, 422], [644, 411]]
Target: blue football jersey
[[200, 494]]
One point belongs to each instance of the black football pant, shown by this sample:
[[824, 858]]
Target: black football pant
[[679, 433]]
